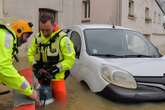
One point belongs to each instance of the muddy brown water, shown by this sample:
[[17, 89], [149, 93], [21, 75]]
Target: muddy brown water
[[80, 98]]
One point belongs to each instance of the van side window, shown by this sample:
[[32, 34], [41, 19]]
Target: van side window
[[75, 38]]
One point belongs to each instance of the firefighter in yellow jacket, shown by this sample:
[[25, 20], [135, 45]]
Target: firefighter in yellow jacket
[[52, 55], [11, 37]]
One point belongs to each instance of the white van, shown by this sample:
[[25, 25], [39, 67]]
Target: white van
[[118, 63]]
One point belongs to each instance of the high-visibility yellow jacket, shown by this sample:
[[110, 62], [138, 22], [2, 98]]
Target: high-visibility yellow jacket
[[8, 74], [54, 50]]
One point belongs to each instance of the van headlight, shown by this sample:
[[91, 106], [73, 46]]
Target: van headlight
[[118, 77]]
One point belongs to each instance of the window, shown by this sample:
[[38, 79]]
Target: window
[[109, 41], [75, 38], [86, 11], [154, 20], [116, 42], [51, 12], [137, 44], [163, 21], [146, 12], [147, 15], [131, 8], [159, 18]]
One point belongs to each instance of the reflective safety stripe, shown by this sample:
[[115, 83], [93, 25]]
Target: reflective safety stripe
[[49, 50], [68, 45], [24, 85], [59, 66], [8, 40]]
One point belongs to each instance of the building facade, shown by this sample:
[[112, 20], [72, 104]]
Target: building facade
[[65, 12], [141, 15], [102, 11]]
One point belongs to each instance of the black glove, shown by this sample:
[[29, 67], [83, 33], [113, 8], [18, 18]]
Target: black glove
[[54, 70], [36, 69]]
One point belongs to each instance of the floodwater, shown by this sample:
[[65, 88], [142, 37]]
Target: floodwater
[[80, 98]]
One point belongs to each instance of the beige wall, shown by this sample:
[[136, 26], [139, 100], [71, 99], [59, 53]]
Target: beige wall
[[139, 22], [139, 12], [159, 42], [71, 12], [1, 12], [105, 11], [68, 12], [28, 9], [157, 25]]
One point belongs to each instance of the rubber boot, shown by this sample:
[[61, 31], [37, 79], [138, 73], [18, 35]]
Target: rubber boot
[[59, 90]]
